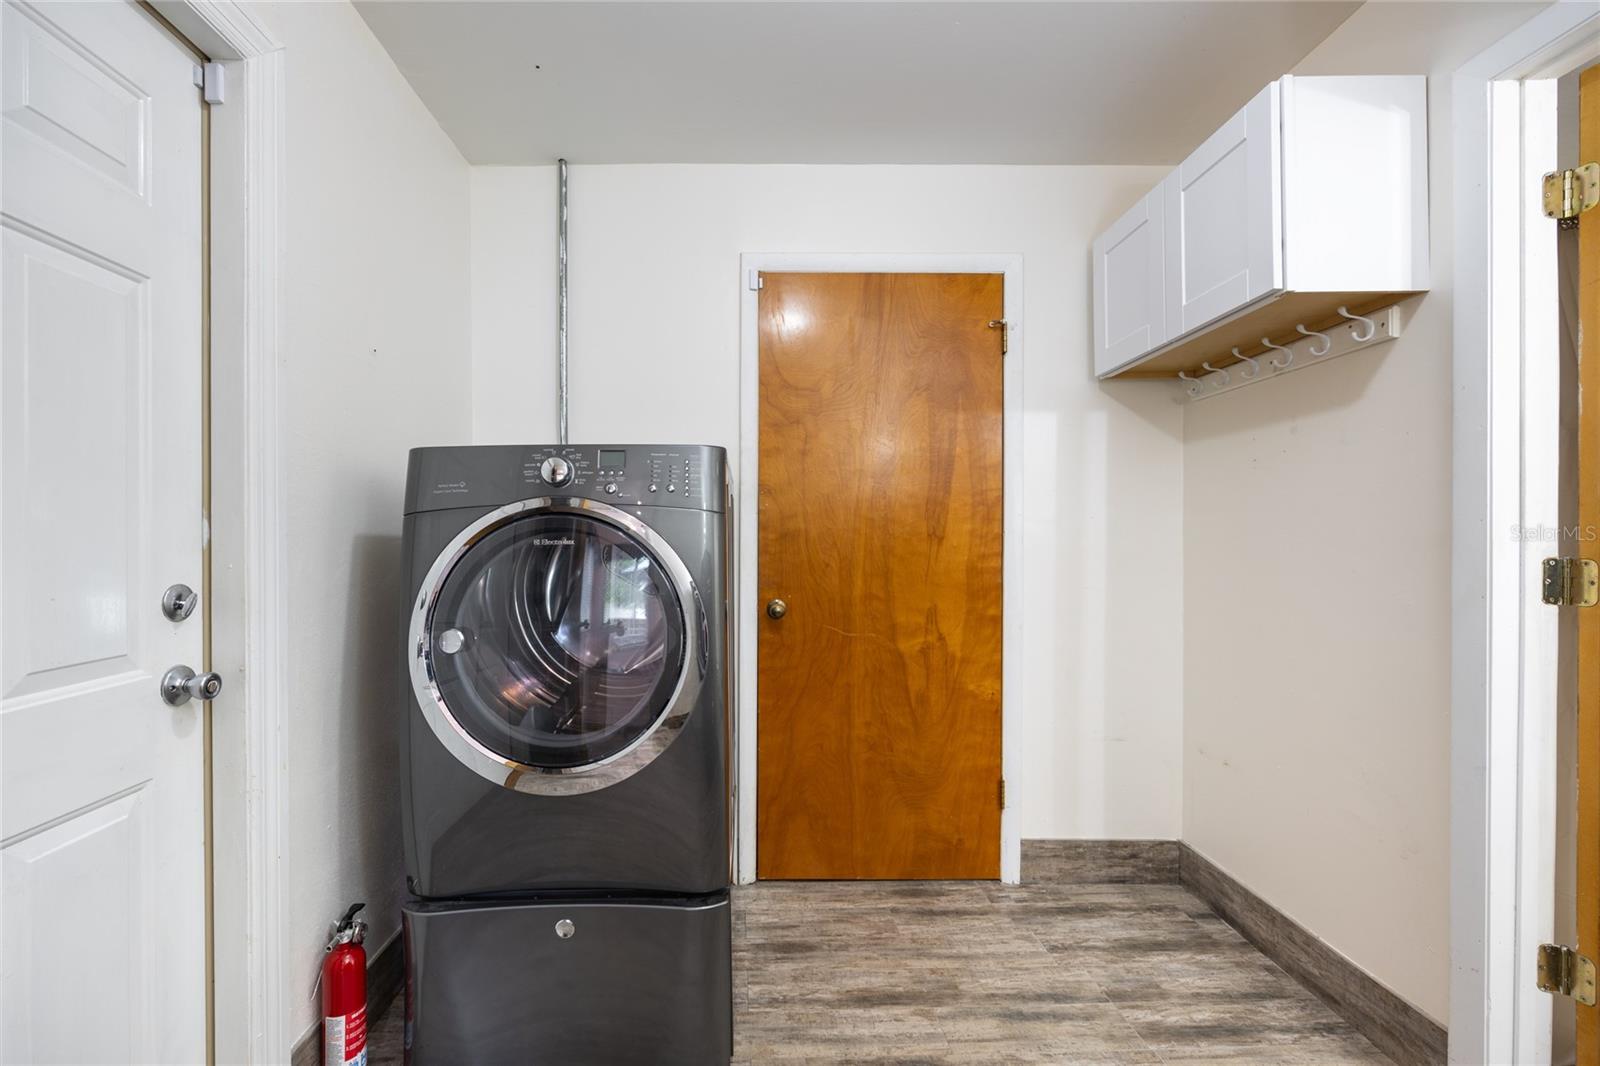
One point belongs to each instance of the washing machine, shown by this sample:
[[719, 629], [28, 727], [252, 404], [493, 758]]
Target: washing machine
[[566, 794]]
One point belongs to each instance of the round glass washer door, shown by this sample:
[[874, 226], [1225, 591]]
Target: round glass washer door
[[552, 647]]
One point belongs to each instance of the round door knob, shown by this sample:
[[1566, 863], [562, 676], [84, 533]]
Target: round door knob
[[556, 470], [181, 684], [776, 609]]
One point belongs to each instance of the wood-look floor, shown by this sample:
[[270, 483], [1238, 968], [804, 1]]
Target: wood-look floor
[[977, 972]]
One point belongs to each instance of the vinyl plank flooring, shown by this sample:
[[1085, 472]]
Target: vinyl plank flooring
[[938, 974]]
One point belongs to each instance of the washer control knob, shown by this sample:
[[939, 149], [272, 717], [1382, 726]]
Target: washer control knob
[[652, 486], [611, 487], [671, 487], [556, 470]]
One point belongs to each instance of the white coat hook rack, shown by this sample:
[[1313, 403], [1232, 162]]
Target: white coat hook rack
[[1360, 338], [1288, 355], [1308, 347], [1255, 367], [1317, 350]]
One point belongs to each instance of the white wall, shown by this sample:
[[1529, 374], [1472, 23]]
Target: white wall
[[1316, 594], [655, 290], [376, 361]]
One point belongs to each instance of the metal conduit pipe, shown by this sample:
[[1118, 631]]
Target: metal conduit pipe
[[561, 272]]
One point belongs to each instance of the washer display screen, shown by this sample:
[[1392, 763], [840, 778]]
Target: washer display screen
[[557, 640]]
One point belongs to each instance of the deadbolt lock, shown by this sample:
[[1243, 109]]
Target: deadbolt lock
[[178, 602]]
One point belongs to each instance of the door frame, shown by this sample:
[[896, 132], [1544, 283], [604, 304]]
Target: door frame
[[747, 580], [249, 988], [1505, 477]]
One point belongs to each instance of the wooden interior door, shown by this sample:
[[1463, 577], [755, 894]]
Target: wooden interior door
[[1588, 857], [880, 531]]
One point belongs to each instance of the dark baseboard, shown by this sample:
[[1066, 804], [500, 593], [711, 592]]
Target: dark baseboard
[[1398, 1029], [1099, 862], [385, 975]]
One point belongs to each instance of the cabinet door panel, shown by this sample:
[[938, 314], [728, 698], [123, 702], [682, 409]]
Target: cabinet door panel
[[1224, 212], [1129, 286]]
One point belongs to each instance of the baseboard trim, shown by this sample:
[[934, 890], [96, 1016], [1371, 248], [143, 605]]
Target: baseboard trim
[[1394, 1026], [385, 975], [1100, 862]]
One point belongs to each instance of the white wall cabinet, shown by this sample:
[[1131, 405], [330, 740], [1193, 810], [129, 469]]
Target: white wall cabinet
[[1313, 196], [1130, 316], [1225, 243]]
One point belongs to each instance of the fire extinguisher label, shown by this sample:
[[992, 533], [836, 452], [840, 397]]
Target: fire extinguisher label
[[344, 1039]]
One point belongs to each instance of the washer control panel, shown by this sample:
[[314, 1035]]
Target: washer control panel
[[637, 474], [623, 475]]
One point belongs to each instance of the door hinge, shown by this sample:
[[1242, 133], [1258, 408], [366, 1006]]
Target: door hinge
[[210, 79], [753, 280], [1571, 582], [1569, 193], [1005, 333], [1002, 793], [1564, 972]]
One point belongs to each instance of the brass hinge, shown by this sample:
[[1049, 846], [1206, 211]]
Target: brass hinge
[[1569, 193], [1566, 973], [1002, 793], [1005, 333], [1571, 582]]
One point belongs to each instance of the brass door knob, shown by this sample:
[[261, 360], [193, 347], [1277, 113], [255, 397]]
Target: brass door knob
[[776, 609]]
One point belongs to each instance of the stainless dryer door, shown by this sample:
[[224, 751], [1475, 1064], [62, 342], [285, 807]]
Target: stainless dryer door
[[551, 643]]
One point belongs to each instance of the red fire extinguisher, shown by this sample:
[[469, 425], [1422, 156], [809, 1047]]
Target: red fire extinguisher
[[344, 993]]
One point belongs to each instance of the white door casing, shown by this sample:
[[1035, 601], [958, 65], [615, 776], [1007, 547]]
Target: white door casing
[[102, 907], [1224, 218], [1505, 397]]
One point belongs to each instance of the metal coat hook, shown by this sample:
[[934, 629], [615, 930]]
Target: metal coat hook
[[1288, 354], [1356, 335], [1327, 341], [1215, 370], [1255, 367], [1194, 386]]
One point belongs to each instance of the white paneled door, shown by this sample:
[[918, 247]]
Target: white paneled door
[[102, 846]]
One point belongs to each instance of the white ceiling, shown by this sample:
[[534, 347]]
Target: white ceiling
[[850, 82]]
